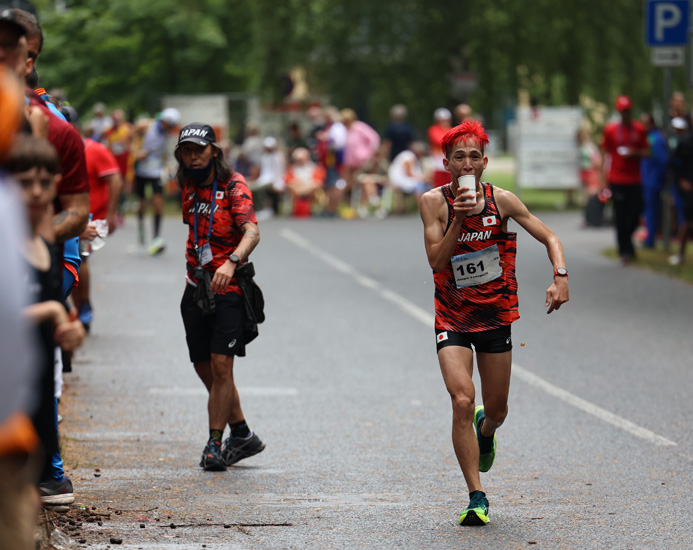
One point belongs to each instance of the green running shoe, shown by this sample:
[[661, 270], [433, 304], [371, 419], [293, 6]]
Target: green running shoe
[[477, 511], [487, 445]]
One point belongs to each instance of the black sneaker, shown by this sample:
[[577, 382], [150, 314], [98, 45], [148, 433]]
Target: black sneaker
[[211, 457], [238, 448], [55, 492]]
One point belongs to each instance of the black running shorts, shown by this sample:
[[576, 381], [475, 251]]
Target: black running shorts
[[220, 333], [142, 183], [490, 341]]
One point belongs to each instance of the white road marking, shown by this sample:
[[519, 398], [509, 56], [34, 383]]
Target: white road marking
[[428, 319]]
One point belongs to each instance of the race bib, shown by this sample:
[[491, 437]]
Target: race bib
[[477, 268]]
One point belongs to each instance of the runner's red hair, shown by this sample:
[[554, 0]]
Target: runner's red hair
[[468, 130]]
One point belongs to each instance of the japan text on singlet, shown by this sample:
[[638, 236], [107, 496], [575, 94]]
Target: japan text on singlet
[[477, 291]]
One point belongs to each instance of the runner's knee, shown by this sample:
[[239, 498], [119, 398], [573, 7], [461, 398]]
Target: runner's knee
[[462, 405]]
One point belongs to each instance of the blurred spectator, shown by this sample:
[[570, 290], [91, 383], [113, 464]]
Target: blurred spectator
[[398, 134], [118, 139], [681, 132], [590, 161], [373, 180], [332, 141], [99, 123], [362, 142], [678, 108], [653, 170], [270, 185], [303, 180], [682, 168], [442, 123], [251, 151], [625, 142], [406, 172], [463, 112], [317, 125]]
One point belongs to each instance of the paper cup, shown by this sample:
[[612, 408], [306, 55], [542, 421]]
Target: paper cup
[[469, 181]]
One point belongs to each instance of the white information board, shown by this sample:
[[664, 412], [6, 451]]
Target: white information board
[[547, 147], [210, 109]]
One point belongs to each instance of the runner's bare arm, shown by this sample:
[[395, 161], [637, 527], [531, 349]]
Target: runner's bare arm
[[73, 218], [510, 206], [439, 246]]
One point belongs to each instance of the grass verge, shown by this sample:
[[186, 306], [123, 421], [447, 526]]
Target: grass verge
[[657, 260]]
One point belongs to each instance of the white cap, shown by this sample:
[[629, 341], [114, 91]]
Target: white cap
[[442, 114], [270, 142], [171, 116], [679, 123]]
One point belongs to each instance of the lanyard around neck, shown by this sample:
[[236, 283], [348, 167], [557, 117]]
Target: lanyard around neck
[[211, 212]]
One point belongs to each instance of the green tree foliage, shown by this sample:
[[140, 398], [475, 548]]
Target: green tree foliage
[[364, 54]]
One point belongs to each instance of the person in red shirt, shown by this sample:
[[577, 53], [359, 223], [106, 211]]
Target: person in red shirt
[[625, 142], [223, 231], [472, 255]]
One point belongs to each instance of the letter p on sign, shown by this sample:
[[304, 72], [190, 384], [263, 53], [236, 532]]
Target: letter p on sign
[[666, 22], [667, 16]]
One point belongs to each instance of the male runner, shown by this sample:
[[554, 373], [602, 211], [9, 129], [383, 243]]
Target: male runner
[[473, 259], [218, 208]]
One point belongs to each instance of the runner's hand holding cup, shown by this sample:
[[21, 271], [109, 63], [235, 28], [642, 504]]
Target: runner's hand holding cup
[[467, 189]]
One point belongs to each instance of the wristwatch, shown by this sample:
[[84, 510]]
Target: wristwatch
[[561, 272], [234, 259]]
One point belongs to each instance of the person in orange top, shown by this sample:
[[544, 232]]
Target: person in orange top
[[472, 255], [118, 139]]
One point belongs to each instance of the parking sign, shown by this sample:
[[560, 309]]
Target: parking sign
[[666, 22]]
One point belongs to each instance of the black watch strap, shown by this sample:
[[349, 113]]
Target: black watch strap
[[234, 259]]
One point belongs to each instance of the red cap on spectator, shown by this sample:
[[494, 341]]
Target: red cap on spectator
[[623, 103]]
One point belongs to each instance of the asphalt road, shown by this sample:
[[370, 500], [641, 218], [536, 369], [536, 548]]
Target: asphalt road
[[344, 387]]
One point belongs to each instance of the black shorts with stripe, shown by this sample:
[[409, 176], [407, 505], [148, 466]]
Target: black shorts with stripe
[[221, 333], [497, 340]]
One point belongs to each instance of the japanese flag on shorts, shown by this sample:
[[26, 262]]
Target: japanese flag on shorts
[[442, 337]]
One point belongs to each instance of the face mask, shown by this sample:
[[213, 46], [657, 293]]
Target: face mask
[[200, 175]]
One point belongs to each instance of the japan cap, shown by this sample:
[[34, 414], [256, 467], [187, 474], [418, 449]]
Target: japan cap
[[623, 103], [198, 133]]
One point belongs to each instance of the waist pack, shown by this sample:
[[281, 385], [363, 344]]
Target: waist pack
[[253, 299]]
